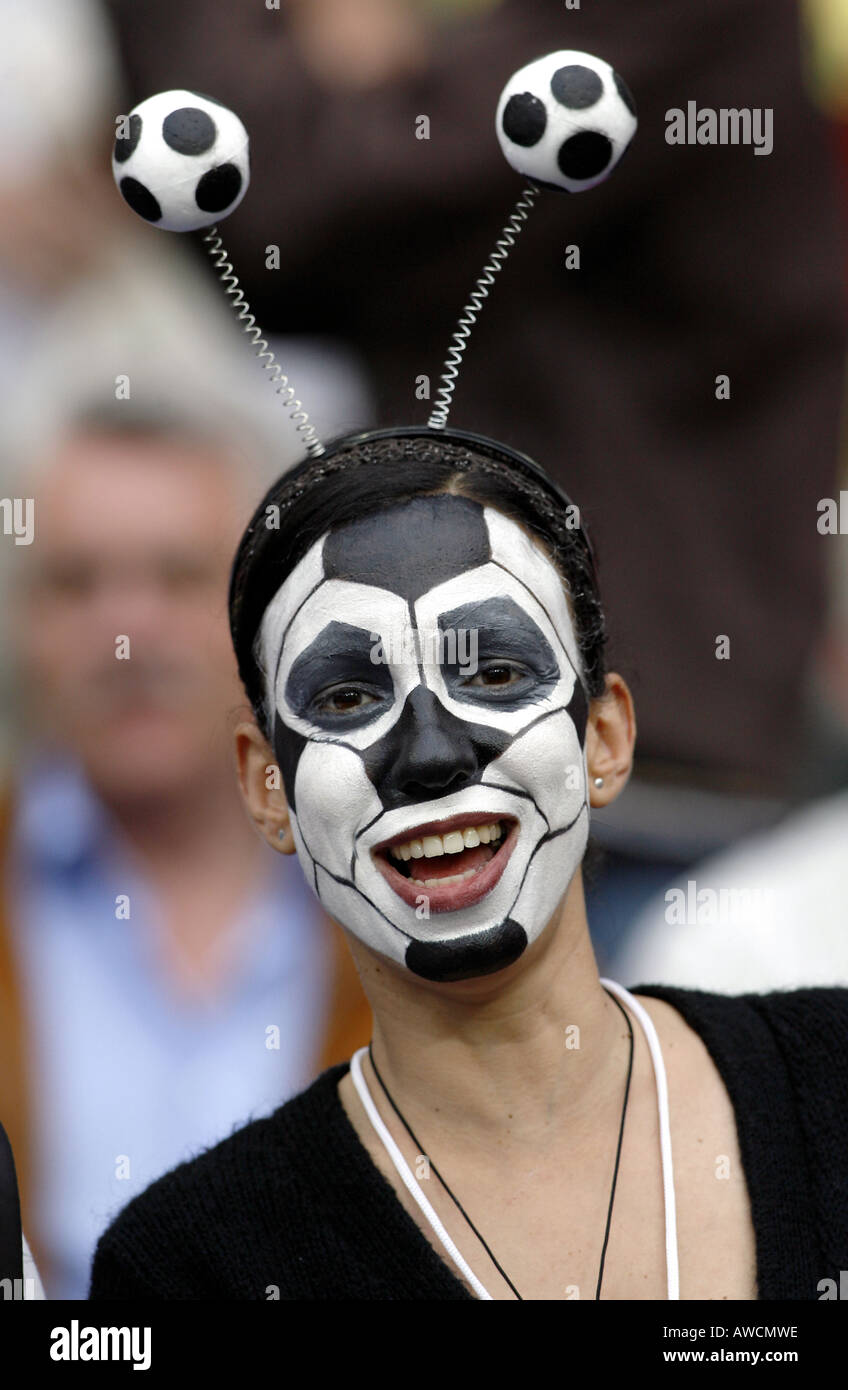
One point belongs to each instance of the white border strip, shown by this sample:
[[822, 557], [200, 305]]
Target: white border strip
[[405, 1174], [671, 1255]]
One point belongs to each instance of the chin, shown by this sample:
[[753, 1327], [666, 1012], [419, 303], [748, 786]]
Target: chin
[[493, 955], [468, 957], [141, 758]]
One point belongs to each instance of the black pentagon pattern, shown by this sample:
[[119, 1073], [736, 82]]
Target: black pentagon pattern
[[625, 93], [468, 956], [524, 119], [429, 752], [288, 746], [140, 199], [578, 709], [218, 188], [577, 87], [411, 547], [585, 155], [319, 665], [125, 144], [189, 130]]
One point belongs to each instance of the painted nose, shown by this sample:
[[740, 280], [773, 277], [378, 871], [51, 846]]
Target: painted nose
[[430, 752]]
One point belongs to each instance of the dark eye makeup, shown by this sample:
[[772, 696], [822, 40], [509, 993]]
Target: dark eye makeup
[[335, 677], [492, 652], [503, 657], [343, 699]]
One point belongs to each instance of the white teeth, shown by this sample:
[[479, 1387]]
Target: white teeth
[[454, 842], [451, 878]]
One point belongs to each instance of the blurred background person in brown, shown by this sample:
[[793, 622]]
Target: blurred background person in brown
[[696, 263]]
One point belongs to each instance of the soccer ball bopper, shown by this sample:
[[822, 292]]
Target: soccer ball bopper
[[563, 122], [181, 162]]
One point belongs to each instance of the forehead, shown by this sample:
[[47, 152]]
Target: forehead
[[423, 557], [117, 491], [411, 548]]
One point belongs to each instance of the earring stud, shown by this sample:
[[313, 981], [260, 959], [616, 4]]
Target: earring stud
[[599, 781]]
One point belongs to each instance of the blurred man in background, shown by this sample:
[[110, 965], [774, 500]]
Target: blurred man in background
[[161, 978], [164, 977]]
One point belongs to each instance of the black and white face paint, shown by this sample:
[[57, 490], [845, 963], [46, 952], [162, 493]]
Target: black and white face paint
[[429, 722]]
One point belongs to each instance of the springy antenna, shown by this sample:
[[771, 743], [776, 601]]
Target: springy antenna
[[563, 122], [181, 161], [241, 308], [459, 342]]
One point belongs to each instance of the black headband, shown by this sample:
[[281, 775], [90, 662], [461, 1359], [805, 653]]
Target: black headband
[[480, 443]]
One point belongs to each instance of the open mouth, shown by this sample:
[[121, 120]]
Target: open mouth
[[451, 863]]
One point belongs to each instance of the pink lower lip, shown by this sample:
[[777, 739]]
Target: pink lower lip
[[455, 895]]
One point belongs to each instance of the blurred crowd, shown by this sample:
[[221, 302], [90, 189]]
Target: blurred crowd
[[162, 978]]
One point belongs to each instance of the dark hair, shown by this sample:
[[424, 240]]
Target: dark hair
[[359, 475]]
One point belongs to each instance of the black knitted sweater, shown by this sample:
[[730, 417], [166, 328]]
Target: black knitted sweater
[[293, 1207]]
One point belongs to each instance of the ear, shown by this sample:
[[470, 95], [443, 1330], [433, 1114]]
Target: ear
[[610, 736], [261, 785]]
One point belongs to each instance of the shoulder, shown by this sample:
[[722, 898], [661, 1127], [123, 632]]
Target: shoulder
[[819, 1016], [193, 1232], [783, 1058]]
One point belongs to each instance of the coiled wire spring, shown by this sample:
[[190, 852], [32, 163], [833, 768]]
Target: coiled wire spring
[[444, 396], [240, 306]]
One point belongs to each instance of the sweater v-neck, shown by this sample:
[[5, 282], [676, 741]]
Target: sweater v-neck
[[751, 1066]]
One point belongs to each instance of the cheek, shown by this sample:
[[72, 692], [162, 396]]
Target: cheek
[[333, 800], [548, 762], [53, 639]]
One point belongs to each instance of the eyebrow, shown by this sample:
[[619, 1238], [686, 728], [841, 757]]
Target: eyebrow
[[505, 624]]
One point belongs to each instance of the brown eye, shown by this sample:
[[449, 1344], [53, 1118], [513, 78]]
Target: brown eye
[[344, 700], [498, 674]]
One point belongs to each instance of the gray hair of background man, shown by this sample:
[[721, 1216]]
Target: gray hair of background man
[[230, 433]]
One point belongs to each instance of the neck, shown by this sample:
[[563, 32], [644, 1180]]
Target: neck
[[526, 1050]]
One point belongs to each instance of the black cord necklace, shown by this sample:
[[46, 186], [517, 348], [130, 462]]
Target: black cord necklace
[[461, 1208]]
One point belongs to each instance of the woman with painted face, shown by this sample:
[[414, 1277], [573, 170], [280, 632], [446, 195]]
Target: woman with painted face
[[419, 632]]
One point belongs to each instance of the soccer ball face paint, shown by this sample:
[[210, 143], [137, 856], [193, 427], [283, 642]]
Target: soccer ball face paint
[[429, 722]]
